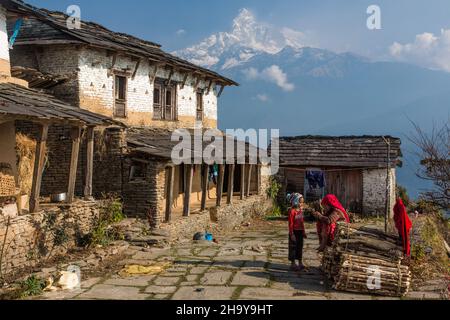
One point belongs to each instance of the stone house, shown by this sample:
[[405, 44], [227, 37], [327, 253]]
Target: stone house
[[32, 126], [354, 168], [152, 92]]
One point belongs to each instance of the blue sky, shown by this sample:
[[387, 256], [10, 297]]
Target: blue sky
[[332, 24]]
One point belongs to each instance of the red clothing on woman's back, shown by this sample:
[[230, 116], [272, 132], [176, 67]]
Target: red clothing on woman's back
[[296, 221]]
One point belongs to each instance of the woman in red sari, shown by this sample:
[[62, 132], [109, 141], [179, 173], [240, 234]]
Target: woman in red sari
[[326, 224]]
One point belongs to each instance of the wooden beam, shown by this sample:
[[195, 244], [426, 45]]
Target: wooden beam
[[243, 181], [204, 186], [76, 138], [38, 168], [185, 78], [138, 62], [89, 163], [209, 86], [230, 191], [249, 179], [220, 91], [169, 196], [189, 171], [113, 63], [258, 179], [152, 73], [169, 80], [196, 84], [220, 180]]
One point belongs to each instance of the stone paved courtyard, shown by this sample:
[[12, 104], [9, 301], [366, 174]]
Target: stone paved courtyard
[[246, 264]]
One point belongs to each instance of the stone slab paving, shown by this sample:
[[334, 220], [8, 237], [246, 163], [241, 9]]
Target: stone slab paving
[[244, 265]]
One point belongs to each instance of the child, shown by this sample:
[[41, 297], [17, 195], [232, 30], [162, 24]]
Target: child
[[296, 231]]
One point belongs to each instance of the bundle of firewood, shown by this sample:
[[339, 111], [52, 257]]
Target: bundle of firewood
[[366, 261]]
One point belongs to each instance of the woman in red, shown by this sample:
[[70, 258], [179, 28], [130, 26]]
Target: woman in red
[[326, 224], [296, 232], [403, 225]]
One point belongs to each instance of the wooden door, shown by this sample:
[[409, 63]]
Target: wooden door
[[347, 186]]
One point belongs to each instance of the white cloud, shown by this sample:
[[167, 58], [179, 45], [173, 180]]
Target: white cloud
[[180, 32], [262, 97], [275, 74], [272, 74], [427, 50]]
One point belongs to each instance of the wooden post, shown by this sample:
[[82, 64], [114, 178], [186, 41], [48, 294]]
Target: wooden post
[[169, 196], [387, 215], [243, 181], [38, 168], [189, 171], [220, 180], [76, 138], [258, 180], [204, 186], [230, 191], [249, 180], [89, 163]]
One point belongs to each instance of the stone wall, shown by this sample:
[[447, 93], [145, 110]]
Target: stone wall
[[90, 86], [97, 91], [51, 232], [57, 59], [144, 197], [108, 145], [225, 218], [374, 191]]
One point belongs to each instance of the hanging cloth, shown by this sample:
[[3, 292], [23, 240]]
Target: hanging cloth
[[17, 27]]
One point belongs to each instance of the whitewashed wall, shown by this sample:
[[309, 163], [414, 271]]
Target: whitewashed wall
[[95, 85], [4, 48]]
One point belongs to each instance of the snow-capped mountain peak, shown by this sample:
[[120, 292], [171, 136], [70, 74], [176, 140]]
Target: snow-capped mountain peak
[[248, 37]]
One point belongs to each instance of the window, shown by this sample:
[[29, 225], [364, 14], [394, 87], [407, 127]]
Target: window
[[157, 105], [200, 106], [137, 171], [164, 101], [120, 88]]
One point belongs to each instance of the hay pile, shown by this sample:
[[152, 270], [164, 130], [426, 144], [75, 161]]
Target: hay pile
[[359, 256], [26, 153]]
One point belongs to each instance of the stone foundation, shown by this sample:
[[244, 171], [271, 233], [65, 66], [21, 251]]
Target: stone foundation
[[33, 238], [225, 218]]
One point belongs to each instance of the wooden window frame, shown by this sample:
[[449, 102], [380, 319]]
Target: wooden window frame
[[199, 112], [121, 101], [162, 106]]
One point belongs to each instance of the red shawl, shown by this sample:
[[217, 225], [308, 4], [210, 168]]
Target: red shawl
[[403, 225], [332, 201]]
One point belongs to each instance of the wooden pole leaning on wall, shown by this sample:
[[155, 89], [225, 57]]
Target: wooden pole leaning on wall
[[220, 180], [249, 180], [38, 168], [258, 179], [242, 195], [89, 163], [230, 191], [75, 134], [169, 196], [205, 174], [189, 171]]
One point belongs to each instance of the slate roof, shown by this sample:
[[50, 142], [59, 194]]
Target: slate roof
[[54, 30], [345, 151], [19, 102], [156, 142]]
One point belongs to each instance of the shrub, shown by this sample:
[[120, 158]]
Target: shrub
[[402, 193], [32, 286]]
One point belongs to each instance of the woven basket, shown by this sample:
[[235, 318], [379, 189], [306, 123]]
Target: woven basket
[[7, 181]]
